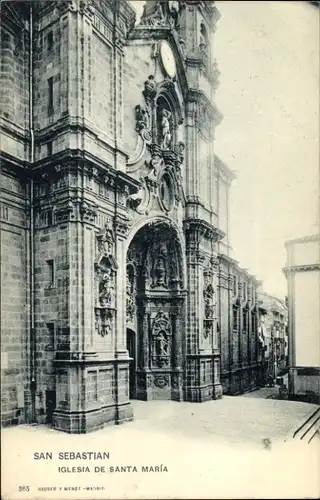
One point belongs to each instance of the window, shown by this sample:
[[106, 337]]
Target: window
[[234, 283], [253, 323], [51, 336], [49, 217], [4, 212], [50, 95], [50, 41], [245, 326], [51, 273], [49, 148], [244, 284], [235, 317]]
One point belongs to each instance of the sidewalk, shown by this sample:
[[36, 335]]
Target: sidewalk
[[263, 393]]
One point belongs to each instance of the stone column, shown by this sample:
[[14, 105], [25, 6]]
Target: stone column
[[144, 389], [176, 378]]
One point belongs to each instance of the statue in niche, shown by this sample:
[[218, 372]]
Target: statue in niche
[[161, 13], [102, 323], [165, 129], [203, 46], [209, 302], [106, 239], [173, 17], [106, 289], [129, 297], [105, 326], [174, 272], [153, 13], [160, 271], [97, 322], [162, 344]]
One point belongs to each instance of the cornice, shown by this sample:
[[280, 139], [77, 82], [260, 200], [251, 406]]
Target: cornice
[[301, 268], [304, 239], [201, 227], [8, 127], [196, 95], [81, 161], [11, 164], [230, 174]]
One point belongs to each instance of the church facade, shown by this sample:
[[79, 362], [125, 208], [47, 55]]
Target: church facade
[[117, 281]]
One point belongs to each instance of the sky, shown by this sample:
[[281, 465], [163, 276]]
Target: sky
[[268, 56]]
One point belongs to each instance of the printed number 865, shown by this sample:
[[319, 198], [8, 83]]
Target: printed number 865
[[24, 488]]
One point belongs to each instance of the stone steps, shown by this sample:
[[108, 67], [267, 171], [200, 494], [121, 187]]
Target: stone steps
[[310, 428]]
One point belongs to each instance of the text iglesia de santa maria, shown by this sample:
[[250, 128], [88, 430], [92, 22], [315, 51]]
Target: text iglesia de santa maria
[[117, 281]]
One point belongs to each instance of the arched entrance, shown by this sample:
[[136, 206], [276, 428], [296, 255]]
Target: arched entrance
[[155, 299]]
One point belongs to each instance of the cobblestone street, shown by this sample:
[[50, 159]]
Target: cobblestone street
[[210, 450]]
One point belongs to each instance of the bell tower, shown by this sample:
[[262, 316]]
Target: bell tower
[[196, 28]]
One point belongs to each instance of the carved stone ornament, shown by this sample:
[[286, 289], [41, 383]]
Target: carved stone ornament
[[161, 13], [209, 302], [180, 147], [143, 123], [209, 305], [156, 162], [130, 294], [161, 381], [105, 267], [175, 381], [103, 322], [150, 90], [86, 7]]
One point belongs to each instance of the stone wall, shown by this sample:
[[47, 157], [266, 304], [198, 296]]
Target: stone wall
[[14, 298]]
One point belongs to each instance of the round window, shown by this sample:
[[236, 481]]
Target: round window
[[166, 194]]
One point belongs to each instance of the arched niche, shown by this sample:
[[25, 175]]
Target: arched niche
[[168, 112], [160, 263]]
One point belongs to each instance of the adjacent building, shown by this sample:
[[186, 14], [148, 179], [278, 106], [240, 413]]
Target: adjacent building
[[116, 276], [240, 365], [302, 271]]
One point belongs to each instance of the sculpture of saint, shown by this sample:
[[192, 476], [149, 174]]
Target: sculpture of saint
[[165, 129], [160, 271], [106, 289], [162, 344]]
